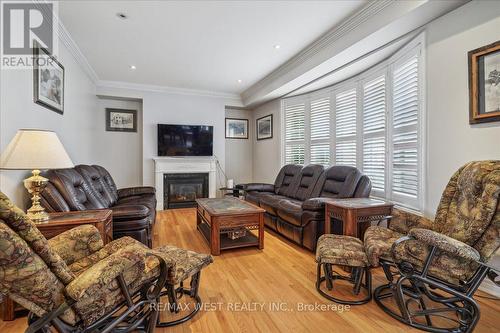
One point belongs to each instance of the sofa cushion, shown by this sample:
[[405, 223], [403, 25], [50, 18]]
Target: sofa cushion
[[26, 278], [290, 210], [75, 190], [253, 197], [129, 212], [17, 220], [108, 181], [378, 242], [145, 200], [96, 182], [286, 178], [304, 184], [337, 181], [270, 202]]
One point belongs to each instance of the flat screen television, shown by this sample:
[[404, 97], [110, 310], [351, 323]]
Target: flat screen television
[[185, 140]]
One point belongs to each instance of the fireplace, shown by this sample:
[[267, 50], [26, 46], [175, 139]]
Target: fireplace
[[181, 190]]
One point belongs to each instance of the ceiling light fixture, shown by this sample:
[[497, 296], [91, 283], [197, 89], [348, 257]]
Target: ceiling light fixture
[[121, 16], [132, 67], [239, 81], [277, 46]]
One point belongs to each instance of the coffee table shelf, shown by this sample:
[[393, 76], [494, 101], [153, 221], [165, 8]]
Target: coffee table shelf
[[227, 243]]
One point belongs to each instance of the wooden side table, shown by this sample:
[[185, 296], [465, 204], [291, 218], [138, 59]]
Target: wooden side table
[[58, 223], [352, 217]]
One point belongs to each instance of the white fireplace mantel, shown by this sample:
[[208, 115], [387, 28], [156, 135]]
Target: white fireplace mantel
[[184, 165]]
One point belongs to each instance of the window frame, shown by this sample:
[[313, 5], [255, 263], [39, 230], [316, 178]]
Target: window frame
[[416, 47]]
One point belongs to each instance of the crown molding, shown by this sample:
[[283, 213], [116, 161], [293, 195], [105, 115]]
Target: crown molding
[[328, 39], [66, 39], [74, 50], [167, 89]]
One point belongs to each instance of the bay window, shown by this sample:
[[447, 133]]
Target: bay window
[[372, 121]]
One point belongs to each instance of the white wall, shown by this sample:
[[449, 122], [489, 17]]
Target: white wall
[[266, 153], [121, 152], [452, 142], [164, 107], [77, 128], [239, 152]]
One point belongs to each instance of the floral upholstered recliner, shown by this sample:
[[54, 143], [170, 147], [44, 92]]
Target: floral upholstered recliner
[[448, 254], [76, 283]]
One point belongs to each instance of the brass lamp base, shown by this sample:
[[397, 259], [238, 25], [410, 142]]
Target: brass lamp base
[[35, 186]]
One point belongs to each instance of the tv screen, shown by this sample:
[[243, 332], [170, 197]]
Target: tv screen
[[185, 140]]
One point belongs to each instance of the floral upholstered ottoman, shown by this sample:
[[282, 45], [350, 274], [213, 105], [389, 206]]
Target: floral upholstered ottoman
[[347, 253]]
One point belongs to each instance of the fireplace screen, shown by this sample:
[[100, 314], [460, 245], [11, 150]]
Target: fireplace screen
[[182, 189]]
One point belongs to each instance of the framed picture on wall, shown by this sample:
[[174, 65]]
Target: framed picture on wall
[[120, 120], [264, 127], [484, 84], [236, 128], [48, 80]]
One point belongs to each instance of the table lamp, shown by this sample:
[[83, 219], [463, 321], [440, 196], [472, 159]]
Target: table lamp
[[34, 149]]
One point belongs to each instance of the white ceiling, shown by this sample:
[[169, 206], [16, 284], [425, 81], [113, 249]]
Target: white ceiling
[[203, 45]]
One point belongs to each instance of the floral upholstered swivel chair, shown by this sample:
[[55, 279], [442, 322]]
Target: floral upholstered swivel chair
[[76, 284], [434, 268]]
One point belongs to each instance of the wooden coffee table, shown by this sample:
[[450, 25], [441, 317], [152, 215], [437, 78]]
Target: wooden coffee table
[[218, 218]]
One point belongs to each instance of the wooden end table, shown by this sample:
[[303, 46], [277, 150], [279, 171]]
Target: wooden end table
[[217, 217], [58, 223], [352, 217]]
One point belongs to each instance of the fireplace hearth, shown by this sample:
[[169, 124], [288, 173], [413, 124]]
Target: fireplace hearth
[[182, 189]]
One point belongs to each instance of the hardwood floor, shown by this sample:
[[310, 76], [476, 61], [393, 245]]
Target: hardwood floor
[[240, 282]]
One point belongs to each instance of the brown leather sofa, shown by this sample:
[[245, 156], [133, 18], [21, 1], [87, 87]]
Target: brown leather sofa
[[294, 204], [87, 187]]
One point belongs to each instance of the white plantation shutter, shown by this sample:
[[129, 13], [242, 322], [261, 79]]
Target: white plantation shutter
[[405, 133], [294, 133], [294, 154], [345, 128], [375, 125], [374, 133], [320, 131]]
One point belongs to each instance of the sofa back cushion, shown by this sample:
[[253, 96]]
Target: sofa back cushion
[[52, 200], [97, 183], [286, 177], [108, 180], [338, 181], [469, 207], [304, 184], [25, 277], [364, 187], [75, 191], [16, 219]]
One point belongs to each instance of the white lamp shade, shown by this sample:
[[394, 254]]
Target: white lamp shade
[[35, 149]]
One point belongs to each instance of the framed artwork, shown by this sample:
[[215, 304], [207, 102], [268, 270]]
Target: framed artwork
[[120, 120], [265, 127], [236, 128], [48, 80], [484, 84]]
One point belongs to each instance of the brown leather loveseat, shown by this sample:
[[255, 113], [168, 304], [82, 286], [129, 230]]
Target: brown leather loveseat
[[87, 187], [294, 204]]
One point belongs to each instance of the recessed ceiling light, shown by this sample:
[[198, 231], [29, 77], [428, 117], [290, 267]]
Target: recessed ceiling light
[[277, 46], [132, 67], [239, 81], [121, 16]]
